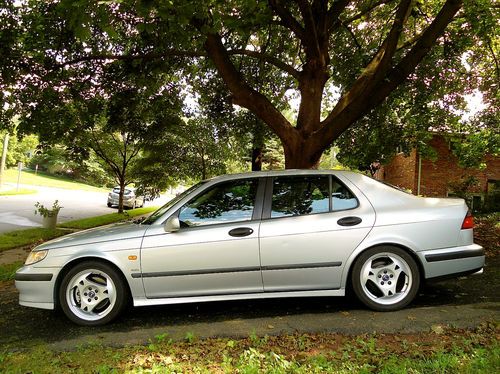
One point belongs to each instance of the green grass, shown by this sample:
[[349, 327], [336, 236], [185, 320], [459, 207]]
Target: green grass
[[106, 219], [21, 191], [457, 351], [8, 271], [45, 180], [22, 238], [38, 235]]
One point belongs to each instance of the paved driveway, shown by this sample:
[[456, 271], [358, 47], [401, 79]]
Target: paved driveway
[[17, 212]]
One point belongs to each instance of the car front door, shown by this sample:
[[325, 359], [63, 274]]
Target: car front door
[[216, 251], [311, 224]]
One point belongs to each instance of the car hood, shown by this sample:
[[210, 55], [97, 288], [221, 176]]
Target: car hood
[[117, 231]]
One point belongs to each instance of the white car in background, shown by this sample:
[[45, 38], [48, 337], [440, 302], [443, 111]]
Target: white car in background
[[290, 233], [130, 199]]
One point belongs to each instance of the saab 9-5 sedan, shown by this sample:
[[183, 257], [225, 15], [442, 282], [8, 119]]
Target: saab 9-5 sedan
[[289, 233]]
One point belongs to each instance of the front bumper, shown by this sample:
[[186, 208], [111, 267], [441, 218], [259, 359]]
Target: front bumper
[[36, 286], [449, 261]]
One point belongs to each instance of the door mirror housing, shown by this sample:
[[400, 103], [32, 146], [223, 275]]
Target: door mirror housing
[[172, 224]]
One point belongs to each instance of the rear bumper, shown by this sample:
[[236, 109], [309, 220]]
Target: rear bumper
[[452, 261]]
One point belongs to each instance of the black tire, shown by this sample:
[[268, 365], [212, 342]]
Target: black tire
[[104, 287], [385, 278], [109, 205]]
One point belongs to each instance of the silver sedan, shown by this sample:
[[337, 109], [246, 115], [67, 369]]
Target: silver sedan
[[260, 235]]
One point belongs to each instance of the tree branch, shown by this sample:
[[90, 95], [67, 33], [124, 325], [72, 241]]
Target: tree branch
[[266, 58], [287, 19], [148, 56], [379, 65], [367, 10], [243, 94], [332, 17], [394, 77]]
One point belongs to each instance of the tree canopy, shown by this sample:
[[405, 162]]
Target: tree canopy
[[360, 71]]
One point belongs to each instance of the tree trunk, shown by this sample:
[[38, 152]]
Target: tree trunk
[[301, 155], [257, 159], [120, 197]]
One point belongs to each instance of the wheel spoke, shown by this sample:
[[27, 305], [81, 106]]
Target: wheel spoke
[[380, 278], [91, 294]]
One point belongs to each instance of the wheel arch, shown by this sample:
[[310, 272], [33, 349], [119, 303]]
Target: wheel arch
[[68, 266], [346, 281]]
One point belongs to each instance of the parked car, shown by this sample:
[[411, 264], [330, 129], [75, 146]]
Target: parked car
[[130, 199], [260, 235]]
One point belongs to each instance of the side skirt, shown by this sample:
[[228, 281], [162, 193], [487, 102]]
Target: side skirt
[[248, 296]]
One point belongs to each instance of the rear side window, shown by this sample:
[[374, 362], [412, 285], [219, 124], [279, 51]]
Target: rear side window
[[342, 198], [295, 196], [303, 195]]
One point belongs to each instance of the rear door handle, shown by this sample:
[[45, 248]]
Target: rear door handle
[[349, 221], [241, 231]]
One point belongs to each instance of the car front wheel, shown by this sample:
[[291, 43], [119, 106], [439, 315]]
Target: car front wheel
[[92, 293], [385, 278]]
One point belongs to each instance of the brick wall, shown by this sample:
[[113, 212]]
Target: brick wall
[[436, 176], [401, 171]]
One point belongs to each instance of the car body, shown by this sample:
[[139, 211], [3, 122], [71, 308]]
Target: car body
[[258, 235], [130, 199]]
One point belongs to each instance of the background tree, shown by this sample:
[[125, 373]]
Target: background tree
[[339, 59]]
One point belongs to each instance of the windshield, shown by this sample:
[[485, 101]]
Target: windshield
[[160, 212]]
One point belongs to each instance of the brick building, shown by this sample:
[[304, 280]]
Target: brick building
[[440, 177]]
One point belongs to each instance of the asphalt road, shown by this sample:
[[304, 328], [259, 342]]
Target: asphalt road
[[465, 302], [18, 212]]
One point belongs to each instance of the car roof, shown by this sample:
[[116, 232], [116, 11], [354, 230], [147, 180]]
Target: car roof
[[272, 173]]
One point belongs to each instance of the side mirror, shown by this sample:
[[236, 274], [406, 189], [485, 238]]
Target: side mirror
[[172, 224]]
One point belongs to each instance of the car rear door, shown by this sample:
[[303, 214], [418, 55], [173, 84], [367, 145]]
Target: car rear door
[[215, 252], [310, 226]]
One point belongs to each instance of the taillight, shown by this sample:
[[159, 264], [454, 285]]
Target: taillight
[[468, 222]]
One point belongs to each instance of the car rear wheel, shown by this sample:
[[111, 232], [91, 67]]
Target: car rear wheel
[[92, 293], [385, 278]]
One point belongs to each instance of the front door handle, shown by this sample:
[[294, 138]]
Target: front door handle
[[349, 221], [241, 231]]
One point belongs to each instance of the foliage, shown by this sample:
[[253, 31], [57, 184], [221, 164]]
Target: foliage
[[452, 350], [347, 66], [46, 212], [19, 150]]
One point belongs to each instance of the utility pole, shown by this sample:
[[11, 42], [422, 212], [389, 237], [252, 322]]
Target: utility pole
[[4, 156]]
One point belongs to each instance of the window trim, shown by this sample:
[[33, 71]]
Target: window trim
[[257, 207], [268, 198]]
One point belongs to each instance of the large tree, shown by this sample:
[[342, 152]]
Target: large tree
[[340, 59]]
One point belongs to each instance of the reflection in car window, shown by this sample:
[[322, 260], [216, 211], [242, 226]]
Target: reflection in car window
[[225, 202], [293, 196], [342, 197], [160, 212]]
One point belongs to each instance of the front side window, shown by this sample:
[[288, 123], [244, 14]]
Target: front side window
[[223, 203], [300, 195]]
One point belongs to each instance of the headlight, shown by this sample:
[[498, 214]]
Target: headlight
[[35, 256]]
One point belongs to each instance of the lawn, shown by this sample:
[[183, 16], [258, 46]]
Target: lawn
[[38, 235], [41, 179], [15, 191], [451, 351]]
